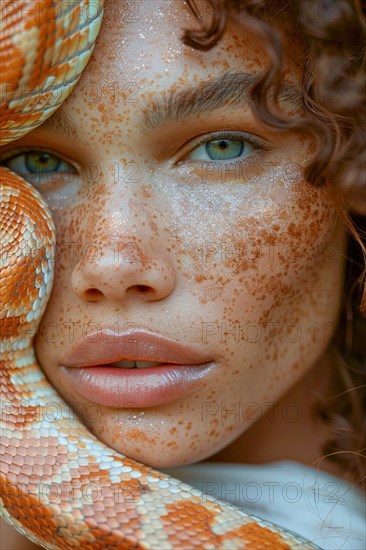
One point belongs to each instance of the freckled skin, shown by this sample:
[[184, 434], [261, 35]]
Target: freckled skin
[[240, 299]]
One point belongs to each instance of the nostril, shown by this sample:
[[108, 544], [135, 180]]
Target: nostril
[[143, 288], [93, 294]]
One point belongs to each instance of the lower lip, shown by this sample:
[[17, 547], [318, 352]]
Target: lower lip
[[129, 388]]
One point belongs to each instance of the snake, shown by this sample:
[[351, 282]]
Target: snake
[[59, 485]]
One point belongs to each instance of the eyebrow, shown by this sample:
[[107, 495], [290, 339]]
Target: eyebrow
[[229, 90], [60, 124]]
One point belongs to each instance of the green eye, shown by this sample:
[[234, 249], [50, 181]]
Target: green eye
[[224, 149], [38, 166], [57, 179], [37, 162]]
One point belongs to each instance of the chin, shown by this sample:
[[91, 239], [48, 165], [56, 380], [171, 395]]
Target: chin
[[153, 452]]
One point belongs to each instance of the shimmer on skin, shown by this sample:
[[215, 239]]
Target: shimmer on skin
[[231, 260]]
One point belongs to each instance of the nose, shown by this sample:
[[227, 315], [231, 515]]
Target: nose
[[116, 273]]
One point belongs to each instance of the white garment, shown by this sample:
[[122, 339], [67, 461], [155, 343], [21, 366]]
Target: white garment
[[318, 506]]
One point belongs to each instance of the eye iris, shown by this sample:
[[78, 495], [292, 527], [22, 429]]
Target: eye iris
[[224, 148], [41, 162]]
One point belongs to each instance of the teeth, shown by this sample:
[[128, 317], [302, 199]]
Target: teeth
[[127, 364]]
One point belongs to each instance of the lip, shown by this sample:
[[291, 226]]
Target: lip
[[87, 367], [133, 388], [108, 346]]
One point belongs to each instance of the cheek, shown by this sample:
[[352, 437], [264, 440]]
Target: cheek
[[56, 329], [256, 275], [266, 247], [79, 233]]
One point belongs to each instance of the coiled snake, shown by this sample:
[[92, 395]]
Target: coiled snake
[[60, 486]]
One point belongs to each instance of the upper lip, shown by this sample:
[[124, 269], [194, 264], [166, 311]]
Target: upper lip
[[106, 346]]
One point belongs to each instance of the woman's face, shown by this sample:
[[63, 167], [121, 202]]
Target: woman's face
[[186, 217]]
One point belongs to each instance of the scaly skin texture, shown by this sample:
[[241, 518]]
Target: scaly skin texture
[[60, 486]]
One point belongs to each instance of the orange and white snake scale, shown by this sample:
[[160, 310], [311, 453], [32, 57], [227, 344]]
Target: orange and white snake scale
[[60, 486]]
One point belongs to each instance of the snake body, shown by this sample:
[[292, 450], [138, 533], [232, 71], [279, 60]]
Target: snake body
[[60, 486]]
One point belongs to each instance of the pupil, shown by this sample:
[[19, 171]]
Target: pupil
[[44, 158], [223, 144]]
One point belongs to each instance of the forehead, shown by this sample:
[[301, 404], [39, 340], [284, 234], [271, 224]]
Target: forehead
[[143, 40]]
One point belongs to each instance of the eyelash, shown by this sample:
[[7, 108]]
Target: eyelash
[[259, 144], [14, 153]]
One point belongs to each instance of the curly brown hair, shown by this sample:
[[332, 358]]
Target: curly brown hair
[[332, 36]]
